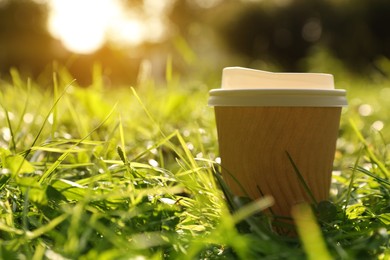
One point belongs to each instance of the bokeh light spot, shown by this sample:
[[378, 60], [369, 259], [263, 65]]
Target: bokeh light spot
[[365, 110], [378, 125]]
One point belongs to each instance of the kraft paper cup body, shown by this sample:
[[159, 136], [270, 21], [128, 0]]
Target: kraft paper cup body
[[258, 129]]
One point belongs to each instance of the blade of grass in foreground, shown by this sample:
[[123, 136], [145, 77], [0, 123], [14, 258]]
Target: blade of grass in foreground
[[310, 233]]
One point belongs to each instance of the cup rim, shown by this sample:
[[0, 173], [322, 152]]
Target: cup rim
[[278, 97]]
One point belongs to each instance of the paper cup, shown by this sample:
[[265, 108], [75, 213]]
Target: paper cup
[[262, 119]]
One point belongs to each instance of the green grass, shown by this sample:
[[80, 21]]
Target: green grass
[[122, 173]]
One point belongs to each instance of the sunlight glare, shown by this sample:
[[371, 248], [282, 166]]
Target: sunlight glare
[[156, 26], [207, 3], [127, 31], [83, 26]]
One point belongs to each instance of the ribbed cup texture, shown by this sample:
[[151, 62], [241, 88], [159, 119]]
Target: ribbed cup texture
[[254, 142]]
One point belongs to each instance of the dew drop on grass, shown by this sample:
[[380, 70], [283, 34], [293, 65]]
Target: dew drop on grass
[[67, 136], [218, 160], [167, 201], [153, 162], [50, 120], [149, 147], [5, 171], [52, 255]]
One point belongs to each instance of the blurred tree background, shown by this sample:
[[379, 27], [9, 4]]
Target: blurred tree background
[[198, 36]]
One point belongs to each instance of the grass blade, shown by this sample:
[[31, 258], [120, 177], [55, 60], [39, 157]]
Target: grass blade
[[252, 208], [26, 103], [26, 153], [370, 153], [302, 180], [47, 174], [310, 233], [54, 114], [380, 180], [13, 144], [46, 228], [351, 182]]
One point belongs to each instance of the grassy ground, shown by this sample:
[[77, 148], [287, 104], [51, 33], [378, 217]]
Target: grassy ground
[[104, 173]]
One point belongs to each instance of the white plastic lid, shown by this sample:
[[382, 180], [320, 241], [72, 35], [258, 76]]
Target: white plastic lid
[[238, 77], [249, 87]]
